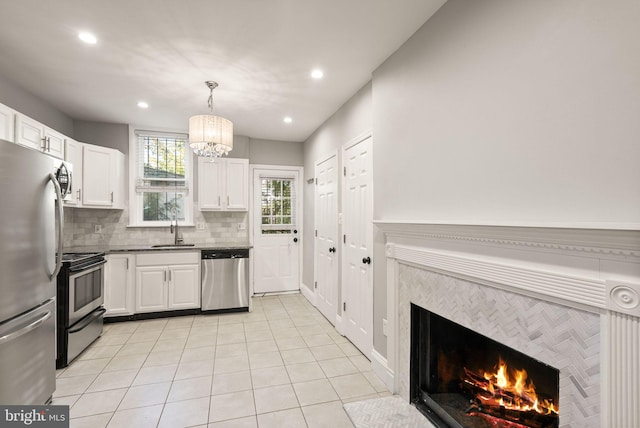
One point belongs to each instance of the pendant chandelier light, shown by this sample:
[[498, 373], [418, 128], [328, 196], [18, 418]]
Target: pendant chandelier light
[[210, 136]]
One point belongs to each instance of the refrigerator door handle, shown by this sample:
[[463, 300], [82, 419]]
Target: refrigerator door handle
[[24, 330], [56, 185]]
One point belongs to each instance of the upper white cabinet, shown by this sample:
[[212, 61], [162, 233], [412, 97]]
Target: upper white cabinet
[[7, 118], [33, 134], [73, 154], [223, 185], [102, 177]]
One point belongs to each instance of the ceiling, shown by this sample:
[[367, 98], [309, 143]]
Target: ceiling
[[261, 52]]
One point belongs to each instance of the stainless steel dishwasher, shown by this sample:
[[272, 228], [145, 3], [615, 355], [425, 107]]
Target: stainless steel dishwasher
[[225, 279]]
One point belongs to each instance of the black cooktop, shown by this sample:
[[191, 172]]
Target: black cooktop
[[79, 257]]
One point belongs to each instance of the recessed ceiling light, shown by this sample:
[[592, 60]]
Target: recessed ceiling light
[[143, 104], [287, 120], [317, 74], [87, 38]]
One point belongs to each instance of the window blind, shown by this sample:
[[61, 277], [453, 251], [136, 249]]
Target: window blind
[[278, 204], [161, 162]]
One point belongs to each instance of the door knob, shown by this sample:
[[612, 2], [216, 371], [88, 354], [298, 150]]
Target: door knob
[[295, 239], [366, 260], [332, 249], [295, 231]]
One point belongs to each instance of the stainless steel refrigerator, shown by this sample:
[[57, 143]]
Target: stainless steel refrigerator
[[31, 221]]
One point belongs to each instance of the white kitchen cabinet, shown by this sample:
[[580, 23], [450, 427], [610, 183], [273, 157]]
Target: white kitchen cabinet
[[73, 154], [55, 143], [33, 134], [223, 185], [167, 281], [7, 119], [184, 287], [151, 289], [102, 177], [119, 280]]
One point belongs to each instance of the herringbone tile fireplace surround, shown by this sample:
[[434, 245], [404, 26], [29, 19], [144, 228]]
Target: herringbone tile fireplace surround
[[569, 298]]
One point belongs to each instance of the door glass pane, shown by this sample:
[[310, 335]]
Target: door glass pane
[[277, 203]]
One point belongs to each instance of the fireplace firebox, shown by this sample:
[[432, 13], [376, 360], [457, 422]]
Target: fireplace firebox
[[460, 378]]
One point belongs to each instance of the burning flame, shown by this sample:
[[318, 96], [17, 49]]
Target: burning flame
[[510, 389]]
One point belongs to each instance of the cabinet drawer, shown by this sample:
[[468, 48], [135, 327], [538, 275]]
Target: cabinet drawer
[[165, 258]]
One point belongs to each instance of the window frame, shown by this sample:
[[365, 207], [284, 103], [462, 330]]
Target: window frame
[[136, 198]]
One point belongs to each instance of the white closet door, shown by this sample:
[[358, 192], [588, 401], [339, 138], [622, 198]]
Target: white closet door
[[326, 246], [358, 247]]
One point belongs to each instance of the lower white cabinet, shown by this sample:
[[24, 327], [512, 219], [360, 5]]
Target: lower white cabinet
[[167, 281], [119, 290]]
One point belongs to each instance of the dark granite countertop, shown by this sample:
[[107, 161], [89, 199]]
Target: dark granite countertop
[[110, 249]]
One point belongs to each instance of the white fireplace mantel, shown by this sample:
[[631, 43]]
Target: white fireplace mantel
[[592, 270]]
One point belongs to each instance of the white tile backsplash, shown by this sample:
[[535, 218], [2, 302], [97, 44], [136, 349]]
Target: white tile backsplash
[[80, 229]]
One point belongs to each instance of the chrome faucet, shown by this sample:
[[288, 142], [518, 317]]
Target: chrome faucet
[[177, 238]]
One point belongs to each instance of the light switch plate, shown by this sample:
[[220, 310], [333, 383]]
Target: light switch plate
[[242, 226]]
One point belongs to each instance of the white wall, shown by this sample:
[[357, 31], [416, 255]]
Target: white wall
[[513, 112], [348, 122]]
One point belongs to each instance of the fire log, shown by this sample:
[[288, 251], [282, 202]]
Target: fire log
[[529, 418]]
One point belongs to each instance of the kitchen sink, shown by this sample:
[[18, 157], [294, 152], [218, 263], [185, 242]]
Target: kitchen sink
[[172, 245]]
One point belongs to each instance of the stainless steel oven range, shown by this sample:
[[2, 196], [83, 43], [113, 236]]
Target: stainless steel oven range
[[80, 297]]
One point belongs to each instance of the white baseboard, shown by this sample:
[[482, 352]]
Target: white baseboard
[[379, 366], [339, 325], [308, 293]]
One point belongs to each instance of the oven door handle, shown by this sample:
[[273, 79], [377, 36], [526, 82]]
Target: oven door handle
[[87, 267], [88, 320]]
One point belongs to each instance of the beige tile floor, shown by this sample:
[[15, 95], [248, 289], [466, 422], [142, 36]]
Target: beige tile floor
[[282, 365]]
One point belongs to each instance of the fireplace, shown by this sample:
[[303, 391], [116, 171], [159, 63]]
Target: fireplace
[[460, 378]]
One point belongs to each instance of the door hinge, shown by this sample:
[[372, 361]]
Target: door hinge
[[344, 306], [315, 284], [316, 181], [344, 239], [316, 233], [344, 171]]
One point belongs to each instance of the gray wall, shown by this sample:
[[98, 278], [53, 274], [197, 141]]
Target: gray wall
[[36, 108], [270, 152], [112, 135], [516, 112]]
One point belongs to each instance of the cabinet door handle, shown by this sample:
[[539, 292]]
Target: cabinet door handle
[[79, 194], [165, 276], [111, 197], [219, 203], [43, 144], [169, 276], [228, 201], [48, 144]]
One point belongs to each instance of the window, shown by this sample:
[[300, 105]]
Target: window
[[278, 203], [163, 177]]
